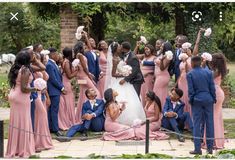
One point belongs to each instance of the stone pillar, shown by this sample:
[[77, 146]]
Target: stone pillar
[[68, 25]]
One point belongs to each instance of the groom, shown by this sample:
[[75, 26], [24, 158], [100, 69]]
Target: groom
[[136, 77]]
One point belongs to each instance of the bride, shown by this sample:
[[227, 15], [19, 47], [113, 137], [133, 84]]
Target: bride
[[116, 70]]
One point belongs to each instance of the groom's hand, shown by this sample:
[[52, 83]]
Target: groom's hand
[[122, 82]]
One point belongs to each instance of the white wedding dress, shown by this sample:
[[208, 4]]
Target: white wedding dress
[[126, 93]]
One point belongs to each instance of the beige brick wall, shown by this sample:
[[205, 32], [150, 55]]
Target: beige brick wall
[[68, 25]]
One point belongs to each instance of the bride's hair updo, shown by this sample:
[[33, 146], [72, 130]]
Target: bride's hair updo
[[114, 47], [151, 95], [167, 46]]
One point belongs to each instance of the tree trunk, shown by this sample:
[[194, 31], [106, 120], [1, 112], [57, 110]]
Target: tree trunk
[[98, 26], [179, 22]]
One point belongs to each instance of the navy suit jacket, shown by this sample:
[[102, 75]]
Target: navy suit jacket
[[179, 108], [201, 87], [177, 63], [98, 109], [93, 65], [54, 83]]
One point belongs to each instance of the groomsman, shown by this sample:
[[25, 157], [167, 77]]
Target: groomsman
[[55, 88], [92, 58], [201, 91], [175, 67], [92, 115], [174, 116]]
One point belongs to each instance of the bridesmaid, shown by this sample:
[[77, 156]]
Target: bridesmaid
[[162, 76], [45, 96], [148, 71], [66, 116], [114, 130], [20, 143], [85, 79], [103, 48], [42, 134], [153, 111], [219, 68], [185, 67]]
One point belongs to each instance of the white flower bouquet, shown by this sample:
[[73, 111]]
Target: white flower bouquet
[[186, 45], [169, 55], [208, 32], [40, 84], [183, 56], [206, 56], [78, 34], [75, 63], [143, 40]]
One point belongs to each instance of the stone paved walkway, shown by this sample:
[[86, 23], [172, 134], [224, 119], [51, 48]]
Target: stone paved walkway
[[77, 148]]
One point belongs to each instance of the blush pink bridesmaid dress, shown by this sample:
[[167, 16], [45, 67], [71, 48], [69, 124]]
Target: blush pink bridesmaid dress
[[162, 79], [42, 136], [20, 143], [103, 67], [115, 131], [148, 72], [154, 126], [66, 115], [87, 83], [182, 84], [218, 116]]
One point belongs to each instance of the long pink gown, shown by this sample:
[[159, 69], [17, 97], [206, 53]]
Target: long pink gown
[[162, 79], [20, 143], [116, 131], [103, 67], [182, 84], [154, 126], [218, 116], [82, 88], [42, 134], [148, 72], [66, 115], [45, 77]]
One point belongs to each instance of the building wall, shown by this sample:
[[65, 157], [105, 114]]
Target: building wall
[[68, 24]]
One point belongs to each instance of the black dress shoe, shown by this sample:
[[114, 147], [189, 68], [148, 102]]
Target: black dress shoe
[[196, 152], [83, 137], [59, 134], [181, 139], [63, 139], [209, 151]]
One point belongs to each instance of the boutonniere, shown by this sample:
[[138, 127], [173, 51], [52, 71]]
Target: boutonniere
[[97, 53], [178, 103], [96, 104]]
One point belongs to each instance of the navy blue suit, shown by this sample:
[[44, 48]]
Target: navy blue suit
[[33, 96], [201, 92], [93, 65], [96, 124], [177, 64], [176, 123], [54, 87]]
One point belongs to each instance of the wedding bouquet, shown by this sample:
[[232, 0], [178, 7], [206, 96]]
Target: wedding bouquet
[[78, 34], [183, 56], [124, 69], [75, 63], [143, 40], [206, 56], [169, 55], [136, 123], [208, 32], [40, 84], [186, 45], [45, 52]]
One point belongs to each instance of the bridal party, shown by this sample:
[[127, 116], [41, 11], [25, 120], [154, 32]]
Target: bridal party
[[174, 86]]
